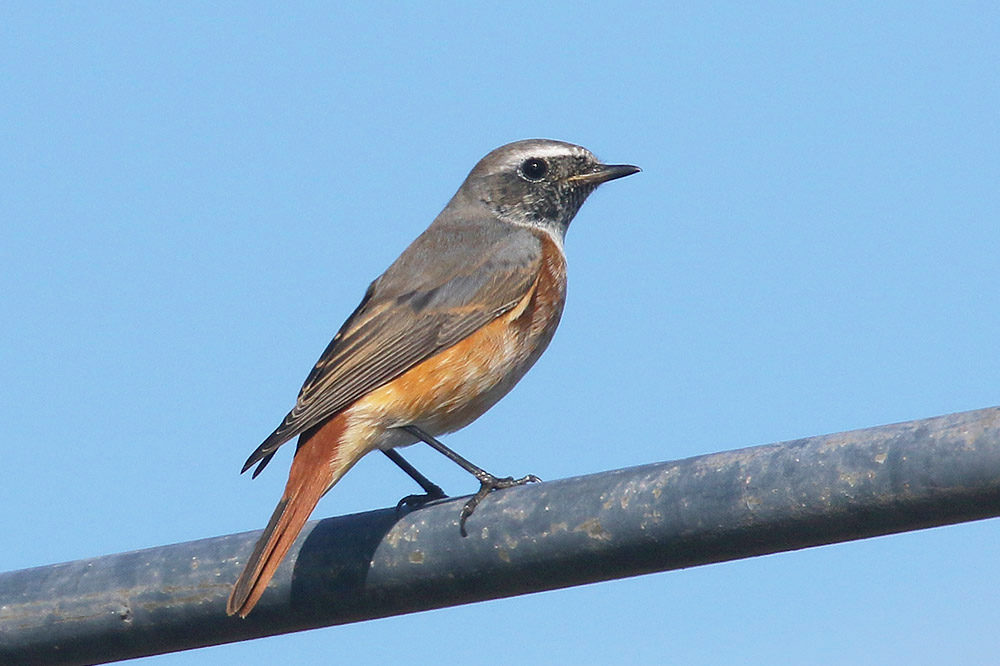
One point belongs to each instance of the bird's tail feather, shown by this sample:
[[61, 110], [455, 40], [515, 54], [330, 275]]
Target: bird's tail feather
[[314, 470]]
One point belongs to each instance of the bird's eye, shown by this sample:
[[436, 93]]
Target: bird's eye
[[534, 169]]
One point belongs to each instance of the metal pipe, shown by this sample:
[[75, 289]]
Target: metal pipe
[[538, 537]]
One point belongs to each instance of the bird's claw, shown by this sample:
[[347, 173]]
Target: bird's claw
[[487, 484], [414, 502]]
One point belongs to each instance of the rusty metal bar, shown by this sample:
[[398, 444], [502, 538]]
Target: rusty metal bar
[[711, 508]]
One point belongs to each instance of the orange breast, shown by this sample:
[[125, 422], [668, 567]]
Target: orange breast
[[456, 386]]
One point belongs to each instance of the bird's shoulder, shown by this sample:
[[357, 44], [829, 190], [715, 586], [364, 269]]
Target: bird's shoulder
[[456, 258]]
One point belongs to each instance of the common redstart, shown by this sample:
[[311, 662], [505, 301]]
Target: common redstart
[[438, 339]]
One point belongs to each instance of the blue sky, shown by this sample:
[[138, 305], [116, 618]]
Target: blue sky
[[194, 198]]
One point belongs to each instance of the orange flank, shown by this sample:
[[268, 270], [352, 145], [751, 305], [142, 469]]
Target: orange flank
[[457, 385]]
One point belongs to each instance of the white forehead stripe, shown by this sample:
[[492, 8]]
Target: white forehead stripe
[[551, 150]]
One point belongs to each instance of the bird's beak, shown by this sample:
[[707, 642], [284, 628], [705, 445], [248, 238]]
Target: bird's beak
[[603, 174]]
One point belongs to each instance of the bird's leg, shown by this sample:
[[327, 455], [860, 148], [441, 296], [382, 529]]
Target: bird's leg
[[432, 491], [487, 482]]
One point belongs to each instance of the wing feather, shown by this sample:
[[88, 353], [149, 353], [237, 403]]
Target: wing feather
[[422, 304]]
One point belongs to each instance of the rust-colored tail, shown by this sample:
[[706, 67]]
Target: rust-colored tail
[[314, 469]]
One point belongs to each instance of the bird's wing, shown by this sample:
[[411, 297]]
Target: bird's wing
[[450, 282]]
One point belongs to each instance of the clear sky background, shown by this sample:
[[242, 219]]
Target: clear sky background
[[194, 198]]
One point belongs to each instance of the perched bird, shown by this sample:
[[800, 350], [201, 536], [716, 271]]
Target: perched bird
[[438, 339]]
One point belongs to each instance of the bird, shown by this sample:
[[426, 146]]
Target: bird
[[443, 334]]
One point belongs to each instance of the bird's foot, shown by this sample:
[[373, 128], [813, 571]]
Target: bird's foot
[[414, 502], [487, 484]]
